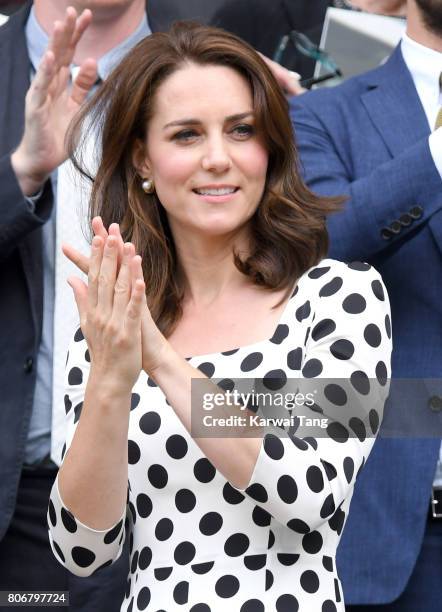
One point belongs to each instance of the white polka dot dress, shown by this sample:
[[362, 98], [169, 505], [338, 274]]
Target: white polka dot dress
[[198, 544]]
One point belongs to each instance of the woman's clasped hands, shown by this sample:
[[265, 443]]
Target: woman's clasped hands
[[121, 335]]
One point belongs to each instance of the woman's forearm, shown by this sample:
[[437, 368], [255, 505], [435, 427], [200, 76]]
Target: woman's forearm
[[93, 478]]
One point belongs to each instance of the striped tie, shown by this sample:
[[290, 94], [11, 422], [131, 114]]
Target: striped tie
[[438, 123]]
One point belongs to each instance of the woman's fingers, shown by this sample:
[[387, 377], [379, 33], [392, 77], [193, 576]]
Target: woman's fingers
[[135, 308], [84, 82], [94, 270], [80, 290], [38, 92], [107, 277], [77, 258], [123, 286], [114, 230]]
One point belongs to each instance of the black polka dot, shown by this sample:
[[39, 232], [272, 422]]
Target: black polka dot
[[150, 382], [75, 376], [83, 556], [143, 598], [281, 333], [373, 418], [202, 568], [150, 422], [134, 563], [378, 290], [312, 368], [227, 586], [185, 500], [200, 607], [354, 303], [299, 443], [327, 562], [349, 468], [358, 427], [132, 512], [176, 446], [323, 328], [287, 559], [314, 478], [328, 606], [231, 495], [67, 403], [231, 352], [144, 505], [52, 513], [372, 335], [257, 492], [312, 542], [87, 356], [271, 540], [204, 470], [251, 362], [331, 287], [77, 410], [131, 605], [360, 382], [113, 534], [328, 507], [252, 605], [274, 380], [184, 553], [163, 529], [226, 384], [273, 447], [294, 359], [133, 452], [158, 476], [58, 550], [255, 562], [261, 517], [298, 525], [337, 521], [207, 368], [269, 580], [381, 373], [145, 558], [162, 573], [181, 592], [318, 272], [388, 326], [287, 489], [287, 603], [303, 312], [78, 335], [236, 545], [210, 523], [310, 581], [337, 432], [335, 394], [361, 266], [134, 401], [342, 349]]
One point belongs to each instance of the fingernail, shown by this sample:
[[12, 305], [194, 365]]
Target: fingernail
[[96, 241]]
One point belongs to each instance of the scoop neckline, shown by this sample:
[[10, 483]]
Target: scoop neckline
[[294, 294]]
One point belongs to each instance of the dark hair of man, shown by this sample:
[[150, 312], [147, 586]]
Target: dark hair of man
[[431, 12], [288, 228]]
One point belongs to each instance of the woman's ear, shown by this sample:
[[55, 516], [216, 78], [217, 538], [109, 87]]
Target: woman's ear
[[140, 160]]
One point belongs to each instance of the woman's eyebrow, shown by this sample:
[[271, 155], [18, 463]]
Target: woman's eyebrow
[[193, 121]]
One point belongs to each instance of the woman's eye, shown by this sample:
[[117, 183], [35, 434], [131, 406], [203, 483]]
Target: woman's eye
[[244, 130], [185, 135]]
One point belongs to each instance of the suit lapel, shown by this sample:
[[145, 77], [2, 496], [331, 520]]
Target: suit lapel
[[393, 104]]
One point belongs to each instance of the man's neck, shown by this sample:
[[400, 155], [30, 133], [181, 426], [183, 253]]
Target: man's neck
[[418, 31], [108, 28]]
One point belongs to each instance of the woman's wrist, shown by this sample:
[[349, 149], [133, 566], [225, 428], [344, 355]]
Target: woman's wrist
[[30, 182]]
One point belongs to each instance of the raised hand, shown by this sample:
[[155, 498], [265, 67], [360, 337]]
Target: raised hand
[[111, 307], [52, 102]]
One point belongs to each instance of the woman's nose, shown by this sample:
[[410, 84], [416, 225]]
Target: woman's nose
[[216, 157]]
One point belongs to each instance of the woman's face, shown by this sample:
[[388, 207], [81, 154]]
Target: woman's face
[[207, 162]]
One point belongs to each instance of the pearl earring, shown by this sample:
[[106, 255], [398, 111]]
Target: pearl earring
[[147, 186]]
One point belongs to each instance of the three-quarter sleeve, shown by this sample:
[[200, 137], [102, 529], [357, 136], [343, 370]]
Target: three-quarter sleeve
[[304, 472], [80, 548]]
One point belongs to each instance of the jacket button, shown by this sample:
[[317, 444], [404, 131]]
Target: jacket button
[[396, 227], [416, 212], [406, 220], [435, 403], [386, 233], [28, 365]]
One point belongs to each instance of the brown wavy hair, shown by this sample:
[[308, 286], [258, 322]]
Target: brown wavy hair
[[288, 228]]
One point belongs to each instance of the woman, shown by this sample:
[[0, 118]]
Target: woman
[[198, 169]]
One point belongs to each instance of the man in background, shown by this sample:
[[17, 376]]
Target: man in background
[[377, 139]]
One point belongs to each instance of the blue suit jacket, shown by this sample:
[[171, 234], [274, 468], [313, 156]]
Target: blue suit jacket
[[368, 139]]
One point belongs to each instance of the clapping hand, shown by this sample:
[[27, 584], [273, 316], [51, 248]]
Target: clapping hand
[[52, 102], [112, 306]]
